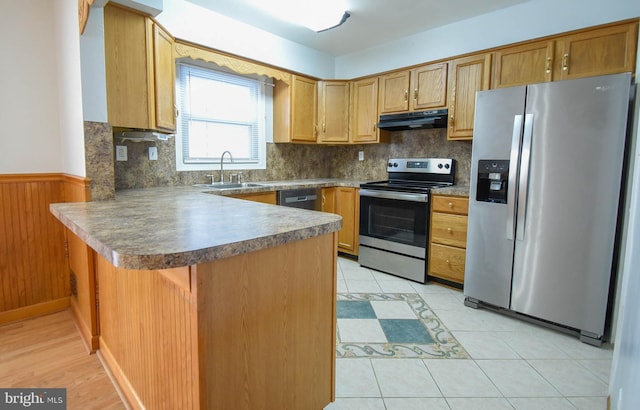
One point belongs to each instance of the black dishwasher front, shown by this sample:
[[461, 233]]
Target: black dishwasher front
[[305, 198]]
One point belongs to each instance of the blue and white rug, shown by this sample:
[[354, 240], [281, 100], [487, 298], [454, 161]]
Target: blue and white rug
[[392, 325]]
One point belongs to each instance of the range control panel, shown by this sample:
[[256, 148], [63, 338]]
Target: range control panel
[[421, 165]]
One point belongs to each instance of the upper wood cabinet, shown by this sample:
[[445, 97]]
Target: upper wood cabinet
[[294, 110], [608, 50], [364, 111], [419, 89], [525, 64], [467, 75], [394, 92], [139, 71], [429, 85], [165, 79], [333, 111]]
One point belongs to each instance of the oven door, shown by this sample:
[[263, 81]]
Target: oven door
[[397, 218]]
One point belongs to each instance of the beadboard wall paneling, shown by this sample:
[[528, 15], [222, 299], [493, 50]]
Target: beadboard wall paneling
[[148, 335], [34, 273]]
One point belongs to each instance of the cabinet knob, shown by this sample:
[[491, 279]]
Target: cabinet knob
[[451, 119], [448, 262], [450, 204], [449, 230]]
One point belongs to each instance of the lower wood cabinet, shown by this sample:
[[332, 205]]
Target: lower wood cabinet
[[344, 201], [264, 197], [448, 237]]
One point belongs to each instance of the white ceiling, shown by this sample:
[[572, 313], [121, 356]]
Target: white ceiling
[[372, 22]]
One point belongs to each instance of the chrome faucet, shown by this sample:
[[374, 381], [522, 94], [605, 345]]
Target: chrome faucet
[[221, 166]]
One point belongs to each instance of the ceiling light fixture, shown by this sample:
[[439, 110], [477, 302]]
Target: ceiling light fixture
[[318, 15]]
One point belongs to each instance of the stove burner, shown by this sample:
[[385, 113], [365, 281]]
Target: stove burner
[[404, 185], [416, 175]]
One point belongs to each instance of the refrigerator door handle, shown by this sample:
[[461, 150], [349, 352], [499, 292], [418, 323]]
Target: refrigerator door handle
[[524, 175], [513, 175]]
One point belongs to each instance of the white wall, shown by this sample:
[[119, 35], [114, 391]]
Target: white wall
[[535, 18], [69, 97], [625, 369], [94, 89], [40, 101], [29, 130], [625, 372], [191, 22]]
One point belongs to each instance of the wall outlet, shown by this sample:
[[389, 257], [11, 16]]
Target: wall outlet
[[360, 155], [153, 153], [121, 152]]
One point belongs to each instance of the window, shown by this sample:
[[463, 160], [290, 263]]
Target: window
[[220, 111]]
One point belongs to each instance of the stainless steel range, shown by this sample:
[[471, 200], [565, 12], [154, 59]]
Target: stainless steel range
[[394, 215]]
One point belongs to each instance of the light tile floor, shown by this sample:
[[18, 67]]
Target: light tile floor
[[513, 365]]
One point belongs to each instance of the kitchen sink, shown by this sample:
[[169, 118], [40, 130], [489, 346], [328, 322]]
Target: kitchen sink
[[228, 185]]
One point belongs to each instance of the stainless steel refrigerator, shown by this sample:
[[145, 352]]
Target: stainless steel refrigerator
[[547, 163]]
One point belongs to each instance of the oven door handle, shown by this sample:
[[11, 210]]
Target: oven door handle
[[403, 196]]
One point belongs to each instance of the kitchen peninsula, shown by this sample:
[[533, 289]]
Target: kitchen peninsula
[[207, 301]]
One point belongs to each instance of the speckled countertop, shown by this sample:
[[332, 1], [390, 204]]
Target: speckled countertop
[[159, 228], [456, 190]]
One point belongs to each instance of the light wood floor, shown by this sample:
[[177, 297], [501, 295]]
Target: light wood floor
[[47, 352]]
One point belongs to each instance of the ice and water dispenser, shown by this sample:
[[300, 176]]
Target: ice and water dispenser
[[493, 181]]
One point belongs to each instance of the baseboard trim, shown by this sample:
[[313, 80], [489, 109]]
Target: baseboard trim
[[91, 342], [118, 378], [39, 309]]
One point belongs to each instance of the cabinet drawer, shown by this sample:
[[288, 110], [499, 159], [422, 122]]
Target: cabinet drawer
[[449, 229], [450, 204], [447, 262], [264, 197]]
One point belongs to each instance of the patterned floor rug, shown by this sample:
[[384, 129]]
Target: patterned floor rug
[[392, 325]]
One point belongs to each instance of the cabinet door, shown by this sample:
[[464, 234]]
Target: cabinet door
[[303, 109], [467, 75], [164, 79], [347, 206], [364, 97], [333, 111], [128, 79], [609, 50], [394, 92], [525, 64], [329, 200], [429, 85]]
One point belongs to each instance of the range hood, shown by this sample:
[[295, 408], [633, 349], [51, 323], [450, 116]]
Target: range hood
[[414, 120], [141, 135]]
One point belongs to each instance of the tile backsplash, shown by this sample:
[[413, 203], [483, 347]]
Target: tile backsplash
[[289, 161]]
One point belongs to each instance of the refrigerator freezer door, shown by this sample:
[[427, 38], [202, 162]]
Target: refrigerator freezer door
[[489, 248], [562, 265]]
